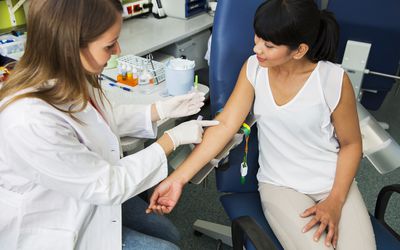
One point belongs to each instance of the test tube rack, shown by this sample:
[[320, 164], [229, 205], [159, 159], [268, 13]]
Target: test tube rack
[[137, 62]]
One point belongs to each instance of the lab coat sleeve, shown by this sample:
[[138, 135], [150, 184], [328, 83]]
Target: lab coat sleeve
[[134, 121], [50, 154]]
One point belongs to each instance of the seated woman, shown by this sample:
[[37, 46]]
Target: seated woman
[[309, 137]]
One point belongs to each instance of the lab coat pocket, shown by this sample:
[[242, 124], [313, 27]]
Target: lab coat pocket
[[10, 217], [46, 239]]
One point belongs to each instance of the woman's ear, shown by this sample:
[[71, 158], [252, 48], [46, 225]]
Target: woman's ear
[[300, 51]]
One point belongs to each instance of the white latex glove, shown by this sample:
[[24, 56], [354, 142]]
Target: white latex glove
[[180, 106], [189, 132]]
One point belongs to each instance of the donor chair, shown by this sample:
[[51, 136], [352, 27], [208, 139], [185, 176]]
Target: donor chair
[[231, 45]]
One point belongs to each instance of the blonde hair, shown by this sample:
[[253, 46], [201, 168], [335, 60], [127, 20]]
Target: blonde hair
[[56, 31]]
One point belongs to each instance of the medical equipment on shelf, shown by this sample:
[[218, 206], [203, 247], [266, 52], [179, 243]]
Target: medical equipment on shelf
[[378, 146], [10, 44], [134, 70], [150, 58], [158, 10], [184, 8], [126, 75], [133, 8]]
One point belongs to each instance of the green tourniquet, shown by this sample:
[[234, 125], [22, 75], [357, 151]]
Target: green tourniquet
[[245, 131]]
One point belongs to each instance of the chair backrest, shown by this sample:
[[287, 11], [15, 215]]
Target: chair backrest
[[232, 43], [378, 23]]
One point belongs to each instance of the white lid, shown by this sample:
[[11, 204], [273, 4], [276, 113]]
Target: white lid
[[180, 64]]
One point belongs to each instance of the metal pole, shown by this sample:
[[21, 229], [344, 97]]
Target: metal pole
[[367, 71]]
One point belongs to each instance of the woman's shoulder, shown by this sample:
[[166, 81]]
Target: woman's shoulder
[[24, 103], [330, 73], [252, 60], [330, 66], [27, 110], [331, 81], [251, 68]]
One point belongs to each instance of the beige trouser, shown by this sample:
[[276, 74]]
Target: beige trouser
[[283, 206]]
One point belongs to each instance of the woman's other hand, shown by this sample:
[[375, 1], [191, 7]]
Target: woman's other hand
[[326, 215], [165, 196]]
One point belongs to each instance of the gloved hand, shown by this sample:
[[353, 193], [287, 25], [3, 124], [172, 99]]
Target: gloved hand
[[179, 106], [189, 132]]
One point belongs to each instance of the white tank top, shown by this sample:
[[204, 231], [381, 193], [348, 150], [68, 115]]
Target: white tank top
[[297, 144]]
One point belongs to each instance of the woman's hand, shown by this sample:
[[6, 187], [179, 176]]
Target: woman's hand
[[327, 215], [189, 132], [165, 196], [180, 106]]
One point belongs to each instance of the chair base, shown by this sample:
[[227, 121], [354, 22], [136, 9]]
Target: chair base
[[215, 231]]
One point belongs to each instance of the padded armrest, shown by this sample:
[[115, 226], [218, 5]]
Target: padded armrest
[[246, 225], [381, 205], [220, 158]]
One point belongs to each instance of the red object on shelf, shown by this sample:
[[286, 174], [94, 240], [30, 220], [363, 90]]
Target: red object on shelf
[[129, 9]]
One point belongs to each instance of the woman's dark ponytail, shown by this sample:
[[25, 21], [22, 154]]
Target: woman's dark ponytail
[[326, 43], [293, 22]]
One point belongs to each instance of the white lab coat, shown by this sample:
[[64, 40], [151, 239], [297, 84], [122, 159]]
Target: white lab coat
[[62, 182]]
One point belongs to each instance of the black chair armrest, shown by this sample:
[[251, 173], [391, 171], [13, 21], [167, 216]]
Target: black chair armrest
[[246, 225], [381, 205]]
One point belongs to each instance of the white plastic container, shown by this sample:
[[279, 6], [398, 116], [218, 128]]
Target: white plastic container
[[18, 45], [179, 76]]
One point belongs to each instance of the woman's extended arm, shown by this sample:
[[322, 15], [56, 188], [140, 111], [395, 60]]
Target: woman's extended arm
[[345, 121], [214, 140]]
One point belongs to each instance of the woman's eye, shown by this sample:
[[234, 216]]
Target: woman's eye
[[269, 46], [109, 47]]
